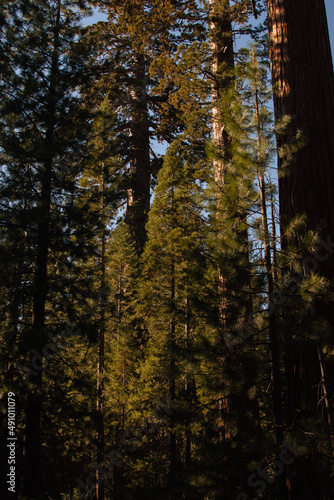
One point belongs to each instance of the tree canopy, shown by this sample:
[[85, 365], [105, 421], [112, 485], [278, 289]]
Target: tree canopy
[[166, 250]]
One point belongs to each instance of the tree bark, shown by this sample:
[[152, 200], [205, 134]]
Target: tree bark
[[221, 42], [100, 482], [33, 473], [232, 299], [138, 193], [302, 75], [302, 72], [172, 381]]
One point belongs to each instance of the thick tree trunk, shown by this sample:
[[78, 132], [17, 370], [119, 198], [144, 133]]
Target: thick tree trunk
[[302, 74], [138, 194], [222, 54], [302, 71]]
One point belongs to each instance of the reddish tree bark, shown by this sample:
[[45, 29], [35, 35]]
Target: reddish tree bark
[[138, 193], [233, 303], [302, 70], [302, 73]]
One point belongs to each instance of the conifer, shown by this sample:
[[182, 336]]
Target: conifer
[[39, 110]]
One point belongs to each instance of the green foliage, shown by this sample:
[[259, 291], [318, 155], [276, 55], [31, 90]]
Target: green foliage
[[184, 314]]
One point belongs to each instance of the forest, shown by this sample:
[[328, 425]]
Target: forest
[[166, 250]]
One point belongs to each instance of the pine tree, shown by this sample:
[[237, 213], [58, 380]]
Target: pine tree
[[168, 288], [133, 48], [234, 287], [39, 109], [143, 334], [241, 343], [102, 168]]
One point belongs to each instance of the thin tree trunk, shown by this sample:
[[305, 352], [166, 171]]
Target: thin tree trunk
[[121, 350], [273, 337], [33, 474], [187, 458], [273, 244], [100, 483], [276, 392], [272, 319], [172, 385], [230, 301]]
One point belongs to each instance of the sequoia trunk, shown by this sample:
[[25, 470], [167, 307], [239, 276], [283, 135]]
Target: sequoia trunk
[[302, 75], [138, 194]]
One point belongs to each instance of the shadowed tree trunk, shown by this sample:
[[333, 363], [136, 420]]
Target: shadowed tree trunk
[[302, 74], [32, 473], [302, 71], [138, 194], [172, 382], [231, 304], [100, 481]]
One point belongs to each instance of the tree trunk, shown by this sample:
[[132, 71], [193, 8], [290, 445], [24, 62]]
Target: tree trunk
[[302, 71], [272, 323], [302, 74], [172, 384], [222, 54], [231, 296], [275, 376], [33, 473], [138, 194], [100, 482], [272, 316], [187, 382]]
